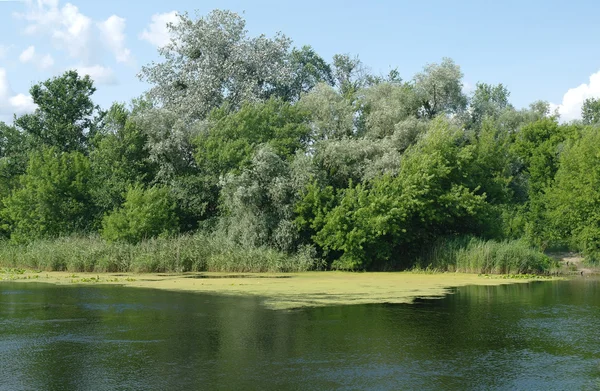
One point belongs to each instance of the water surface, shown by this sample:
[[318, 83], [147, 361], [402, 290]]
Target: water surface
[[541, 335]]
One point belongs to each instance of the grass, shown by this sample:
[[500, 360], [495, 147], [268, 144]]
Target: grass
[[473, 255], [186, 253]]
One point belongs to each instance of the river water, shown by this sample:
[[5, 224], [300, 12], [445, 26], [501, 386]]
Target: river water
[[541, 335]]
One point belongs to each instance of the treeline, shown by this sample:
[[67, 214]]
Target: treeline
[[257, 145]]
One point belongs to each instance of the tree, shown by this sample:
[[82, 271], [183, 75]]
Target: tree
[[53, 198], [573, 200], [332, 115], [488, 101], [119, 158], [14, 149], [378, 223], [145, 214], [259, 203], [439, 89], [65, 113], [307, 70], [170, 146], [384, 105], [349, 74], [538, 146], [231, 138], [212, 60], [590, 112]]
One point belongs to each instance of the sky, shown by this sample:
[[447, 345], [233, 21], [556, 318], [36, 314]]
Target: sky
[[541, 50]]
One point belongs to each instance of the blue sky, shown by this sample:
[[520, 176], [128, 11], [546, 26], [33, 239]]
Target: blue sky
[[539, 49]]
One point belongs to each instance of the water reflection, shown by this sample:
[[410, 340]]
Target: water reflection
[[541, 335]]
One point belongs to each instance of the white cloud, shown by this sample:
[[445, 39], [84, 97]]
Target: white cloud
[[27, 54], [572, 101], [68, 28], [100, 74], [157, 32], [42, 62], [13, 104], [112, 32]]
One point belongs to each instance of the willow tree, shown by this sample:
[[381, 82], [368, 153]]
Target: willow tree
[[212, 60]]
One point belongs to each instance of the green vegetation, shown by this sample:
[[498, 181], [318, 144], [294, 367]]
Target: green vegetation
[[269, 158], [166, 255], [473, 255]]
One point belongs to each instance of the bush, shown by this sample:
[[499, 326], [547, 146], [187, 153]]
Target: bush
[[146, 213]]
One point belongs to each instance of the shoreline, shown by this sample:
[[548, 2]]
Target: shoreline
[[285, 290]]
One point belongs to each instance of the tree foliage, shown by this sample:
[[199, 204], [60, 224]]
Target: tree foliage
[[64, 117], [212, 60], [53, 198], [146, 213]]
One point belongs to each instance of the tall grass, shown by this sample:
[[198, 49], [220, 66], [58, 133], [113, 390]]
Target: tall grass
[[163, 255], [474, 255]]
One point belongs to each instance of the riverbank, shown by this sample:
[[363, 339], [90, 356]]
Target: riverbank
[[284, 290]]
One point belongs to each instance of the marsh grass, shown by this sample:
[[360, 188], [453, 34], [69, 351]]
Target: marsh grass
[[474, 255], [186, 253]]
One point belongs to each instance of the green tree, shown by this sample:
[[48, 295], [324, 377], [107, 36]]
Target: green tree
[[53, 198], [378, 223], [145, 214], [65, 113], [538, 146], [488, 101], [308, 69], [573, 200], [170, 146], [231, 138], [119, 158], [590, 112]]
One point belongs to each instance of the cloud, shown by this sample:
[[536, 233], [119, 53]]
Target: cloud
[[75, 33], [98, 73], [42, 62], [27, 54], [112, 32], [10, 103], [157, 32], [68, 28], [572, 101]]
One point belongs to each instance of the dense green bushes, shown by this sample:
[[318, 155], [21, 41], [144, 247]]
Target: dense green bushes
[[146, 213]]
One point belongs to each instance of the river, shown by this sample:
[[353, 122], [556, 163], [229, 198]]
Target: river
[[539, 335]]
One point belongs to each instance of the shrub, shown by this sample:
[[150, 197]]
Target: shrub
[[146, 213]]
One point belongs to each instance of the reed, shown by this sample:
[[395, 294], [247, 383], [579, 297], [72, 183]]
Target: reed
[[161, 255], [474, 255]]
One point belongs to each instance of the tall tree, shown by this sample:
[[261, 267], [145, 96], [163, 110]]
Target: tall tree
[[590, 112], [308, 69], [211, 60], [488, 101], [439, 88], [65, 113]]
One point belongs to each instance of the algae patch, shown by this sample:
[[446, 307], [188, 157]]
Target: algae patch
[[286, 290]]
